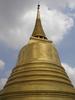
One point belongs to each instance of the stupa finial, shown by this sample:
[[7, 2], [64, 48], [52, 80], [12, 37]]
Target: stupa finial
[[38, 6], [38, 29]]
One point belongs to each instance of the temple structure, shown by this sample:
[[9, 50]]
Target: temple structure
[[38, 74]]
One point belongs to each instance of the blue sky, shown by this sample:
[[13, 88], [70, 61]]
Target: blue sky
[[17, 20]]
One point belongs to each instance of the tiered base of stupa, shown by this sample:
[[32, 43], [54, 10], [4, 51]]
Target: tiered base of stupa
[[38, 81]]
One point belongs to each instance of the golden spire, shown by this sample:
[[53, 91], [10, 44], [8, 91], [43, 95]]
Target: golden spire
[[38, 29]]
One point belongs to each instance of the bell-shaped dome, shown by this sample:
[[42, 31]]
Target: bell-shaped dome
[[38, 50]]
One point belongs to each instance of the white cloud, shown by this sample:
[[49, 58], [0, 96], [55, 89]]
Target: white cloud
[[14, 38], [60, 4], [55, 23], [2, 82], [70, 71], [2, 64], [71, 4]]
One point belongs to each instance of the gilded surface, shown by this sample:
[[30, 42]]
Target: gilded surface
[[39, 51], [38, 29]]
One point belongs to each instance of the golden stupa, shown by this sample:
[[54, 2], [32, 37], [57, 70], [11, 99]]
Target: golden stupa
[[38, 74]]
